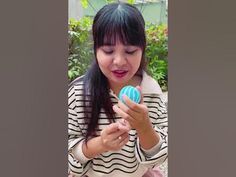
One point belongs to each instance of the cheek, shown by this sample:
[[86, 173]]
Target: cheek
[[136, 60], [103, 61]]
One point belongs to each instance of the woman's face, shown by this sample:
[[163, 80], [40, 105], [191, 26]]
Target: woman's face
[[119, 62]]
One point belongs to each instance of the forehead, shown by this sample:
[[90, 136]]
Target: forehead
[[114, 39]]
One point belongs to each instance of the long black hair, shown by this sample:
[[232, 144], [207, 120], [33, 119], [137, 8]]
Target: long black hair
[[116, 21]]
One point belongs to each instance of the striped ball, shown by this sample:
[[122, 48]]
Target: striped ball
[[131, 92]]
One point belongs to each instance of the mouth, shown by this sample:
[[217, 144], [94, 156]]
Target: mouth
[[119, 73]]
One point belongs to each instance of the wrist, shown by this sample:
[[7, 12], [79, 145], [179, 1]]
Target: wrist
[[93, 147], [145, 129], [77, 151], [148, 138]]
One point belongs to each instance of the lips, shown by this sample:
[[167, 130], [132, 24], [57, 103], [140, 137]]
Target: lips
[[119, 73]]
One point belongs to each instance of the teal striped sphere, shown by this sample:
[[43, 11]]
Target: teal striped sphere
[[131, 92]]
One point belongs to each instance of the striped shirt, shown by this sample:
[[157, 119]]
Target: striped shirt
[[131, 160]]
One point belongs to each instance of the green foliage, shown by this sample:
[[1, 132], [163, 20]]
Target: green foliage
[[81, 51], [156, 53], [131, 1], [110, 1], [80, 47], [84, 3]]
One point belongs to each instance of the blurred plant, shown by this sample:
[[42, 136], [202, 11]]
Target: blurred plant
[[80, 47], [81, 51], [157, 52], [84, 3]]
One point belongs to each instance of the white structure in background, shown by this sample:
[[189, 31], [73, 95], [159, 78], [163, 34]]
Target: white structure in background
[[75, 9]]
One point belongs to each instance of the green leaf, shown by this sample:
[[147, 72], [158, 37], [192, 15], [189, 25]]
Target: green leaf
[[131, 1], [84, 3], [70, 73]]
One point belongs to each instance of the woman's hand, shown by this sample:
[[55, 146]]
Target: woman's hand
[[135, 114], [114, 137]]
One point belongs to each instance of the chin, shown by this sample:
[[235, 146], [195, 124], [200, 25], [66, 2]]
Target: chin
[[120, 81]]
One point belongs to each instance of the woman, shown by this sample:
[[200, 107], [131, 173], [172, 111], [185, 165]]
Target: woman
[[106, 136]]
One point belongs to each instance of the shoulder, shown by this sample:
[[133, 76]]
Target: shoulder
[[76, 86], [150, 85], [77, 81]]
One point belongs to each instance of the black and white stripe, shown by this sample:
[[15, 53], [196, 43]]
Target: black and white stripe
[[130, 157]]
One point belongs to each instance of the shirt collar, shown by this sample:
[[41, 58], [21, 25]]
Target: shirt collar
[[149, 85]]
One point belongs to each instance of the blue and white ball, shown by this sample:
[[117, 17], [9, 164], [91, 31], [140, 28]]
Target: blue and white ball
[[131, 92]]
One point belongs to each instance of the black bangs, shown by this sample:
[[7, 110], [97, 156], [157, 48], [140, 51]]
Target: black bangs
[[121, 23]]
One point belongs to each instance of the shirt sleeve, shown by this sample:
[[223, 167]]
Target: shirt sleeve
[[76, 166], [158, 154]]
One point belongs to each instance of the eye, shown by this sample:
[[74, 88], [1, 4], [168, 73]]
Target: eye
[[130, 52], [107, 50]]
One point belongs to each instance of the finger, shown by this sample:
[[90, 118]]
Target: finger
[[111, 128], [123, 136], [121, 113], [132, 105], [124, 141], [124, 125], [119, 135], [132, 113], [126, 109]]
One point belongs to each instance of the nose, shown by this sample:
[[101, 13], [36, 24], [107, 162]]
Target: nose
[[119, 60]]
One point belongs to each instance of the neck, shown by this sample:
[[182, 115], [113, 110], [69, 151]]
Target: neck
[[116, 88], [135, 81]]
